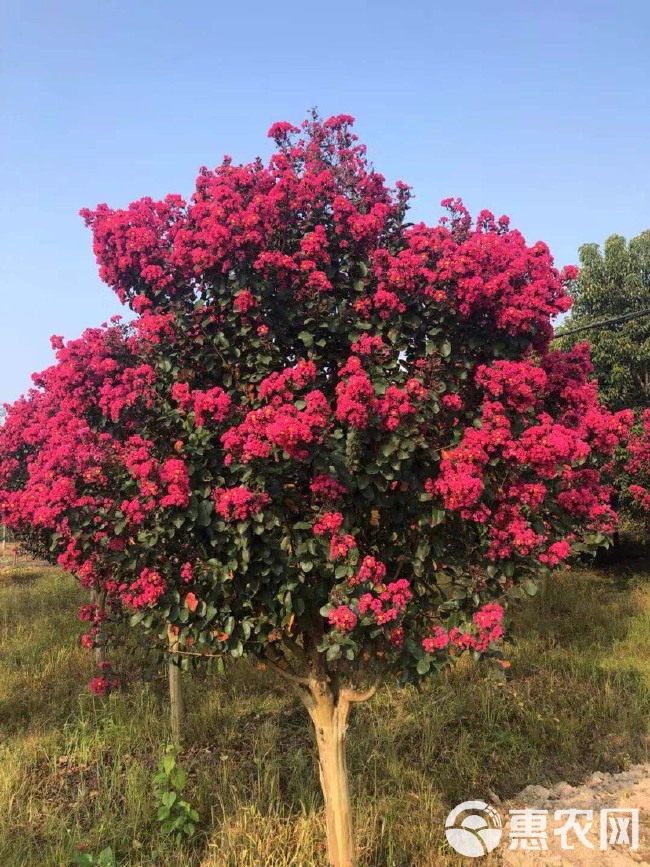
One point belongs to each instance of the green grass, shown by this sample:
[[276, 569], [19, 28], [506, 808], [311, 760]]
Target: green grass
[[78, 769]]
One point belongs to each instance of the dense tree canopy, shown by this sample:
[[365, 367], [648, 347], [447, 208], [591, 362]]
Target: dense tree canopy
[[337, 441]]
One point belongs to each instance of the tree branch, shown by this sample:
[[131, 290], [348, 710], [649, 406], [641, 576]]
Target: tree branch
[[354, 695], [295, 648], [291, 676]]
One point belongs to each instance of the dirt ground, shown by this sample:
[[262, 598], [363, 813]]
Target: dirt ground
[[628, 790]]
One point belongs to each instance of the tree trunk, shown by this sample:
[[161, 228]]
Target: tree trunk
[[176, 704], [329, 713], [99, 599]]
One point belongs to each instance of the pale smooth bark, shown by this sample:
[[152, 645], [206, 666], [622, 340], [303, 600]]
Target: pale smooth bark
[[329, 709]]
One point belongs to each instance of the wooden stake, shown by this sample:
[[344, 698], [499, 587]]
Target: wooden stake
[[176, 703]]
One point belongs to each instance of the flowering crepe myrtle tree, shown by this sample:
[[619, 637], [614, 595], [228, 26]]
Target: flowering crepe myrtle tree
[[69, 459], [372, 445], [55, 471]]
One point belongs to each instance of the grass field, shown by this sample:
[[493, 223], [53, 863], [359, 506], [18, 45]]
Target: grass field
[[76, 769]]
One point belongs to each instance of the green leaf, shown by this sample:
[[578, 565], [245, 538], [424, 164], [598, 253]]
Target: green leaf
[[333, 652], [180, 778], [306, 337], [424, 665], [205, 513], [437, 517]]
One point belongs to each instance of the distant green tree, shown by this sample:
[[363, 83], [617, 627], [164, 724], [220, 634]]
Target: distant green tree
[[615, 282]]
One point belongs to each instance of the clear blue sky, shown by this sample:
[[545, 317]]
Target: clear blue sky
[[537, 110]]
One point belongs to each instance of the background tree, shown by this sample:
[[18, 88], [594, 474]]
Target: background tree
[[69, 460], [611, 283]]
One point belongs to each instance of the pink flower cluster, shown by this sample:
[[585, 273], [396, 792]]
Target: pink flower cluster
[[279, 425], [587, 499], [518, 384], [326, 488], [452, 401], [556, 553], [137, 241], [245, 302], [213, 404], [370, 345], [389, 604], [371, 570], [340, 544], [355, 395], [154, 478], [145, 591], [101, 685], [238, 504], [387, 303], [279, 387], [173, 473], [394, 406], [356, 399], [485, 271], [488, 629], [330, 522], [131, 386], [342, 619]]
